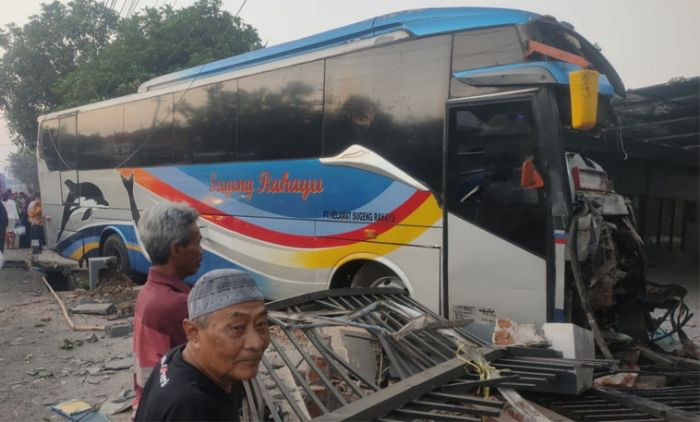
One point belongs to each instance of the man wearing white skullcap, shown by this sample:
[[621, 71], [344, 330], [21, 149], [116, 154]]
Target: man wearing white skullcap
[[227, 334]]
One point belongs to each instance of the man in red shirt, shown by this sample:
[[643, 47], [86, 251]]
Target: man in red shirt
[[170, 235]]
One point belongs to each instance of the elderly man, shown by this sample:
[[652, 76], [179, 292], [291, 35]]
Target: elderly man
[[227, 334], [170, 235]]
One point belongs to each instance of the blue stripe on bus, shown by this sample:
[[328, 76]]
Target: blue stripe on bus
[[299, 223], [337, 181], [70, 250], [212, 261], [418, 23], [138, 261]]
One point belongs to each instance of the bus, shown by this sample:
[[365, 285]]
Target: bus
[[424, 150]]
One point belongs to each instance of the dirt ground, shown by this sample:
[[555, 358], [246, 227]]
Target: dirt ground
[[37, 366]]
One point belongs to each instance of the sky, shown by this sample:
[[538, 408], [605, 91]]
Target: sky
[[647, 41]]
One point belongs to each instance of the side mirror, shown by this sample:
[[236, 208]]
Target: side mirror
[[583, 89], [529, 176]]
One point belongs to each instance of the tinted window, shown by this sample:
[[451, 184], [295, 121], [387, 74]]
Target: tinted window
[[487, 47], [280, 113], [48, 144], [391, 100], [100, 141], [67, 143], [148, 132], [487, 147], [205, 123]]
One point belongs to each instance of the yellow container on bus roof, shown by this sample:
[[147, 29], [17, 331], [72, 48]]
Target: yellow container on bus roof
[[583, 89]]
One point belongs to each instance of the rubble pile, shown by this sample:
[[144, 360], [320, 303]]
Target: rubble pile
[[114, 289], [375, 354]]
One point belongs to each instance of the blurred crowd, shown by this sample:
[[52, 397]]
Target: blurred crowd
[[21, 220]]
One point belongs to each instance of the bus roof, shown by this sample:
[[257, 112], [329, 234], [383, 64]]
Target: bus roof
[[417, 23]]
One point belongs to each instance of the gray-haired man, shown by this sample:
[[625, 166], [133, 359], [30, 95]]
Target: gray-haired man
[[227, 334], [171, 238]]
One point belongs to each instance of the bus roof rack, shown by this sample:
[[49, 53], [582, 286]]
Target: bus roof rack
[[417, 23]]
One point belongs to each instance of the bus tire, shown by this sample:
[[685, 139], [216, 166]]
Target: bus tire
[[374, 274], [114, 246]]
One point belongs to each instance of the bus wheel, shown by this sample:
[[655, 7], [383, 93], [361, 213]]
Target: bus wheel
[[114, 246], [374, 274]]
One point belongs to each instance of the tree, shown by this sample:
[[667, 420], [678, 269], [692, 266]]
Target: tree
[[50, 46], [23, 168], [81, 53], [155, 42]]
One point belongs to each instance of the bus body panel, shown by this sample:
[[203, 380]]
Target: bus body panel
[[291, 226], [491, 275]]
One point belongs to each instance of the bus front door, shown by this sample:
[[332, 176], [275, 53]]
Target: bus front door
[[496, 228]]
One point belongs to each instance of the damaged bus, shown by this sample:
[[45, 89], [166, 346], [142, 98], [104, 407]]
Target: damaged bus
[[435, 150]]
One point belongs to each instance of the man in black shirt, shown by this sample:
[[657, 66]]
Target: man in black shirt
[[227, 334]]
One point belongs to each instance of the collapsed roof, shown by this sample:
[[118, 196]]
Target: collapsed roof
[[663, 118]]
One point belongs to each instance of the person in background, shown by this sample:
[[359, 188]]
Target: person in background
[[22, 204], [227, 334], [36, 219], [171, 238], [3, 229], [12, 217]]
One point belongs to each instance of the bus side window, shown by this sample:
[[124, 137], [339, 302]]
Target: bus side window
[[280, 113], [391, 100], [67, 143], [487, 47], [148, 132], [100, 138], [204, 126], [48, 144], [488, 145]]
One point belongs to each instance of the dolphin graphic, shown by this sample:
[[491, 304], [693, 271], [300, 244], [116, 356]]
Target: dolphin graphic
[[86, 192]]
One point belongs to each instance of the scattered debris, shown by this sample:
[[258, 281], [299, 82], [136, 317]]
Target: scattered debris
[[352, 354], [609, 269], [94, 309], [573, 341], [620, 379], [73, 409], [119, 364], [118, 403], [65, 313], [509, 333], [118, 330], [94, 369], [40, 372], [71, 344]]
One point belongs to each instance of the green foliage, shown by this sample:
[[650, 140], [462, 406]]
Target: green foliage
[[155, 42], [50, 46], [82, 53], [23, 167]]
